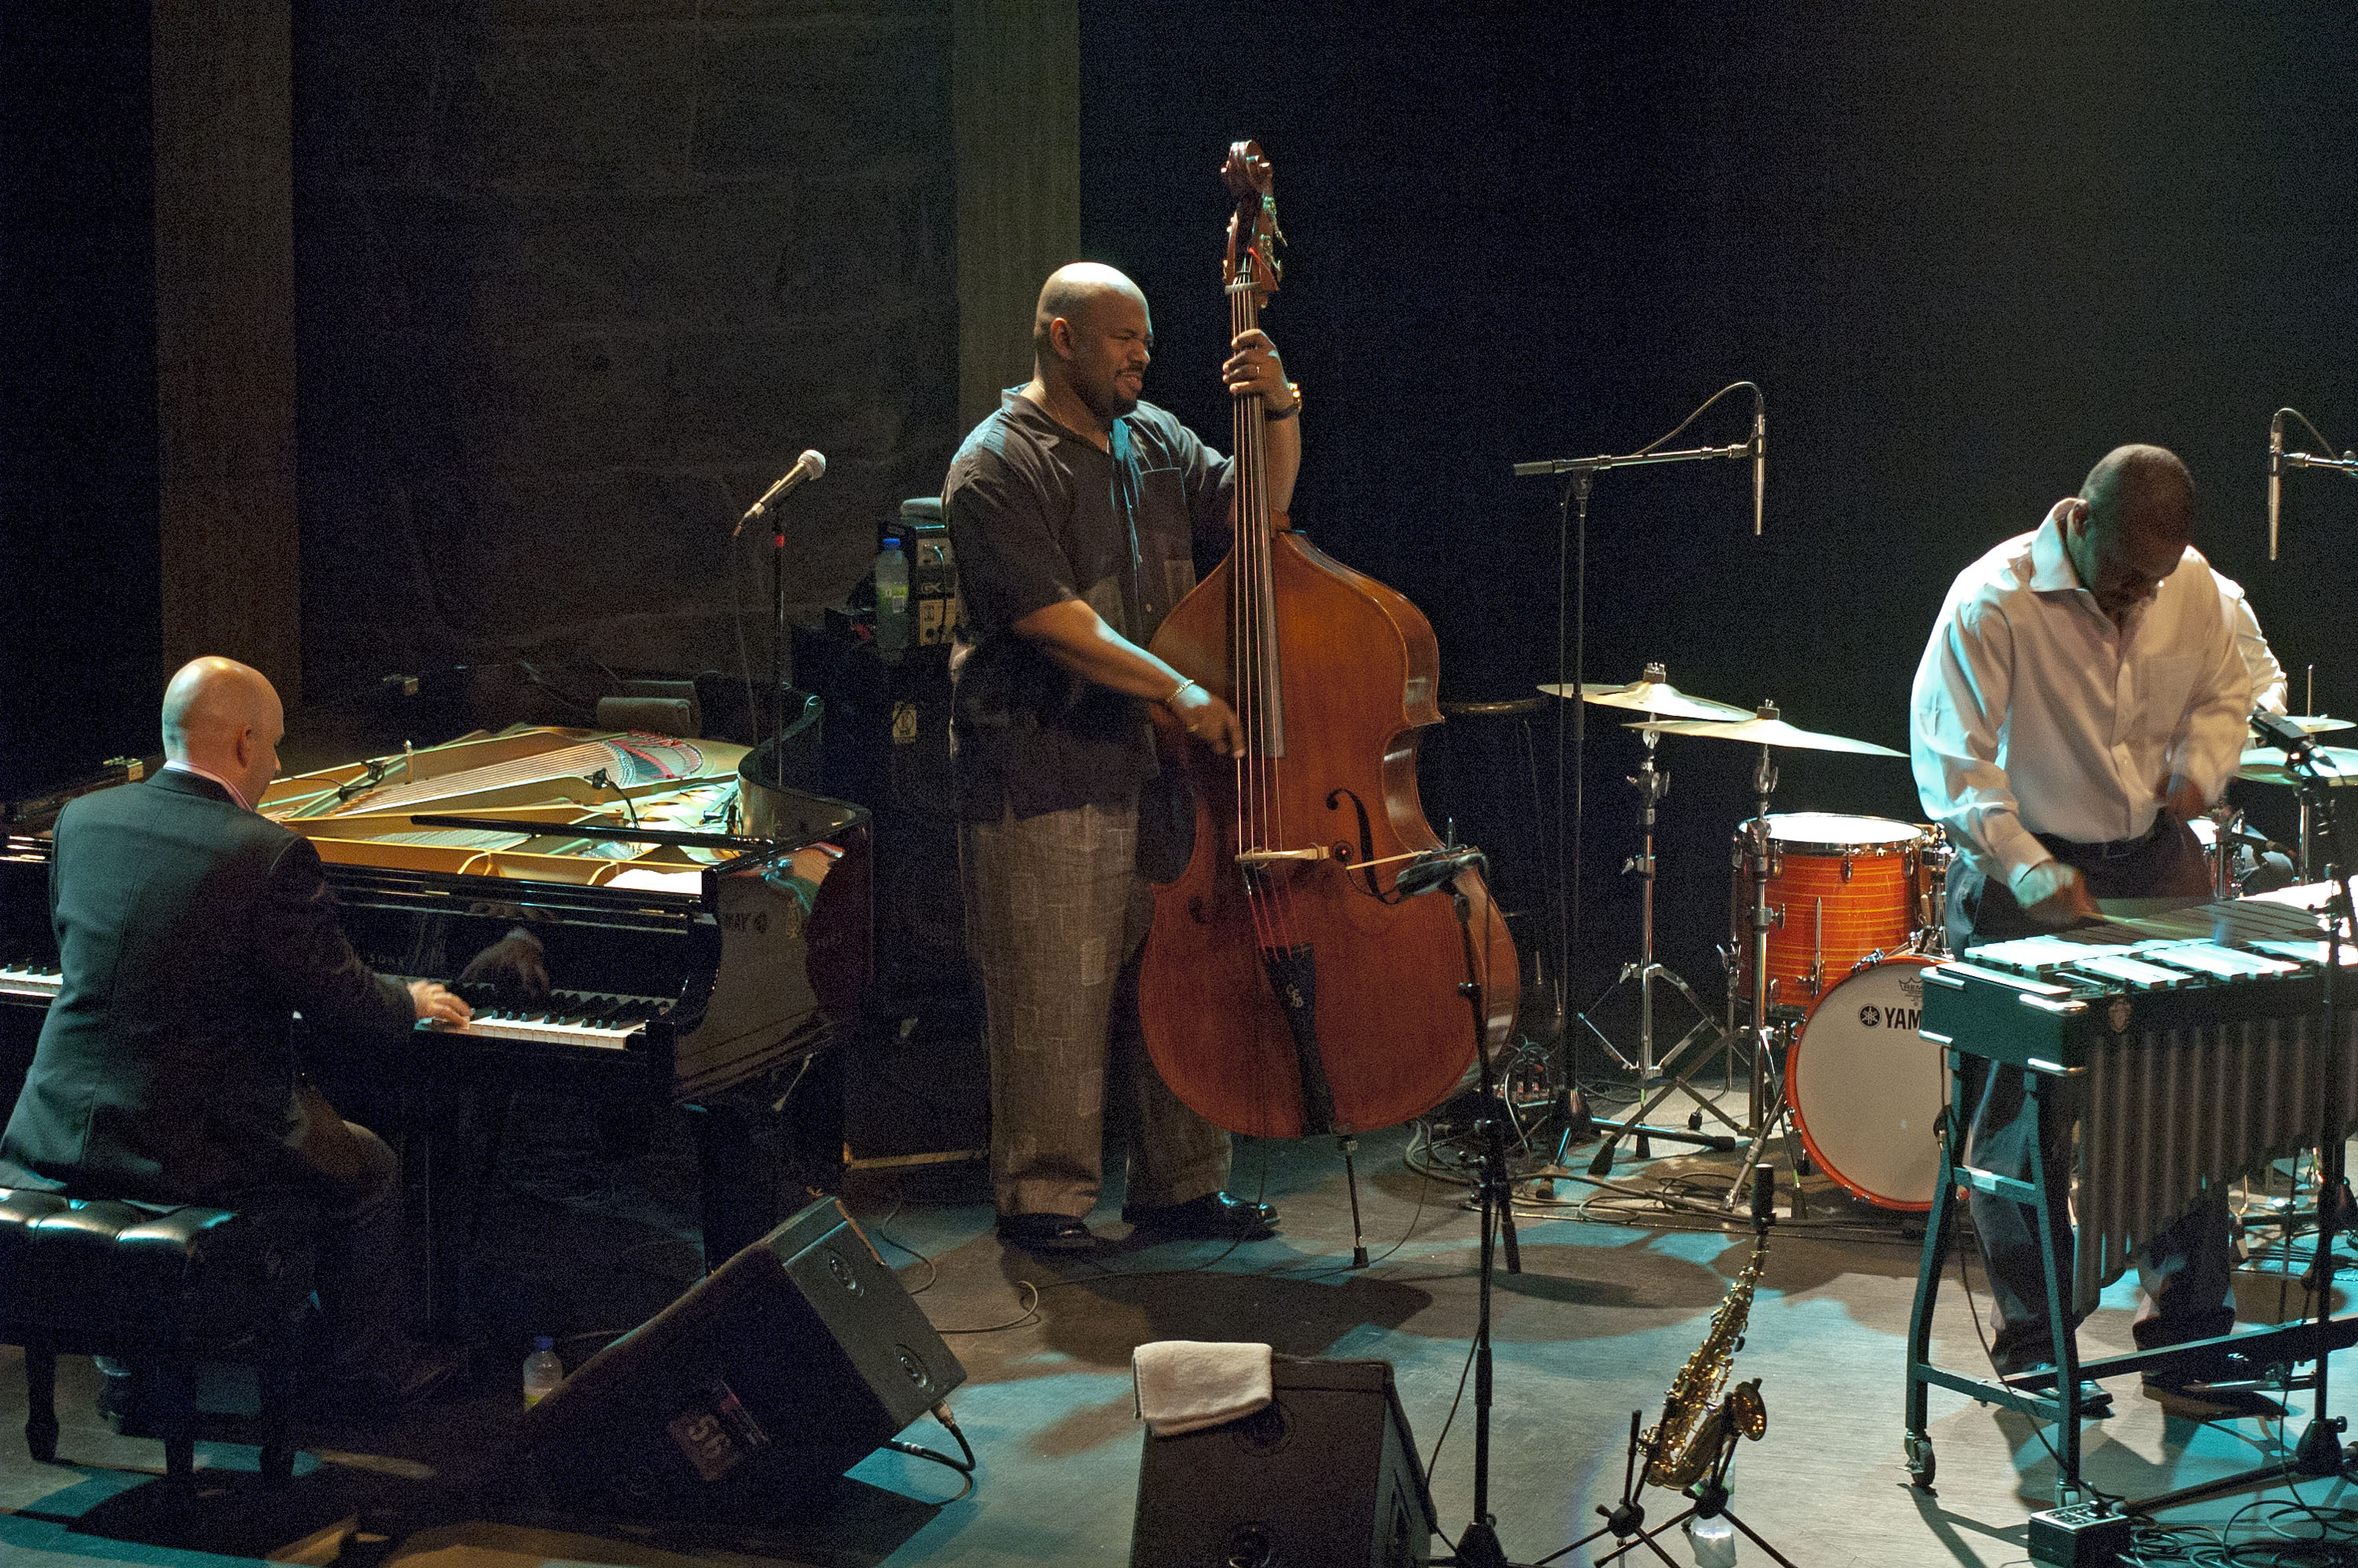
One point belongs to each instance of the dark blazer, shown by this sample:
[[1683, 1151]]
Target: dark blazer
[[189, 930]]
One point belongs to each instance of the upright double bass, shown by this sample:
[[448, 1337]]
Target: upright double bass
[[1288, 988]]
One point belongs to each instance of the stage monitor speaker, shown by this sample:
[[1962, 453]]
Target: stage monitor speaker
[[768, 1379], [1326, 1477]]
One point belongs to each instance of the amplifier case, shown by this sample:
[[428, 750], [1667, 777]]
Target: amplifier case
[[785, 1367], [1327, 1477]]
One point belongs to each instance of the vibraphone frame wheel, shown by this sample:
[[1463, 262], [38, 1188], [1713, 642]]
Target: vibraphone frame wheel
[[1920, 1464]]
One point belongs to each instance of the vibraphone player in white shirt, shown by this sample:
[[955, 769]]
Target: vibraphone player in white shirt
[[2082, 698]]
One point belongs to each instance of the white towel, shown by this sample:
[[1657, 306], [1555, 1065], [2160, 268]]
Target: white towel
[[1185, 1385]]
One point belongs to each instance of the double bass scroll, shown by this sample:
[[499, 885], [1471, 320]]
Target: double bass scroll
[[1287, 989]]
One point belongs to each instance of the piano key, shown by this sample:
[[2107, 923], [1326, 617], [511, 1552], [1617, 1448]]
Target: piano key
[[28, 983], [538, 1030]]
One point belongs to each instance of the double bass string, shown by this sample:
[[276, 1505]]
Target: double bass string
[[1254, 516]]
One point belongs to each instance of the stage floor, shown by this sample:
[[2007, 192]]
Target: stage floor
[[1597, 1324]]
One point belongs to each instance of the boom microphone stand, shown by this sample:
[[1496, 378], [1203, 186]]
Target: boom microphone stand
[[1572, 589], [2280, 460]]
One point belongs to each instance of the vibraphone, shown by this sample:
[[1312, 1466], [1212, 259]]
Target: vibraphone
[[2194, 1046]]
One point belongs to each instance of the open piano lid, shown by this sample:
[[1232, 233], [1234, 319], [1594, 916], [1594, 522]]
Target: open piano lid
[[363, 813]]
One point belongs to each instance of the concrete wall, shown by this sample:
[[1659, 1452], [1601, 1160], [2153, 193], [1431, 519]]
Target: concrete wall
[[575, 281]]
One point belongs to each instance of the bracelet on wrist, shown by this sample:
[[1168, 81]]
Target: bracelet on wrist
[[1178, 691], [1289, 410]]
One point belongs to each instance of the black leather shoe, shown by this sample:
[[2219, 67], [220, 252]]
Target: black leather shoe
[[1214, 1216], [118, 1402], [1045, 1233], [2195, 1376]]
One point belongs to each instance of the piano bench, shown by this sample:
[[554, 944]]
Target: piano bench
[[161, 1289]]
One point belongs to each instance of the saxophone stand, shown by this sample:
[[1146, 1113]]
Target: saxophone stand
[[1626, 1520], [1478, 1546]]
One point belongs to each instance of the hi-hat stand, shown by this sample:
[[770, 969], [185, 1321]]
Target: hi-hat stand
[[1651, 784]]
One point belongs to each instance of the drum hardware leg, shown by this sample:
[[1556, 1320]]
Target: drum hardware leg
[[1779, 1116], [1350, 1146]]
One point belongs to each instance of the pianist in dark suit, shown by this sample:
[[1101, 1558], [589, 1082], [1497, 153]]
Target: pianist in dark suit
[[2080, 699], [189, 929]]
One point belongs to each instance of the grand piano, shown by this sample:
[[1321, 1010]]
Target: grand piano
[[703, 931]]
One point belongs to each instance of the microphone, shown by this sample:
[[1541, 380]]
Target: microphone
[[2276, 477], [808, 467], [2284, 734], [1439, 865], [1759, 459]]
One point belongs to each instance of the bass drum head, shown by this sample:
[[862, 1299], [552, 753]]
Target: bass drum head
[[1866, 1090]]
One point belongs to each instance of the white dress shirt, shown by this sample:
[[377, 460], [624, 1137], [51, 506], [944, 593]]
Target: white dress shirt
[[235, 794], [2267, 676], [2033, 713]]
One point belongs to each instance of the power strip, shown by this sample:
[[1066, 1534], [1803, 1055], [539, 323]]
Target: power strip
[[2086, 1535]]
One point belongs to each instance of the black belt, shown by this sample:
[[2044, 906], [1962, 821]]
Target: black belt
[[2116, 850]]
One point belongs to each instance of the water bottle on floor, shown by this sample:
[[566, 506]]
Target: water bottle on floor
[[542, 1371], [1713, 1539], [891, 598]]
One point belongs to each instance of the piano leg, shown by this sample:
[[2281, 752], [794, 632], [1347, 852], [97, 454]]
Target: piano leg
[[738, 1184], [734, 1200]]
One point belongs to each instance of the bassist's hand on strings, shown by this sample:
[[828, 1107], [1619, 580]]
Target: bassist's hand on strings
[[1254, 367], [1207, 718]]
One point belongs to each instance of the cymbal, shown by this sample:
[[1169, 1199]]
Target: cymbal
[[2319, 724], [2265, 765], [1767, 729], [1650, 697]]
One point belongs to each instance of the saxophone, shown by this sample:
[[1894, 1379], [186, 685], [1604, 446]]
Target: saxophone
[[1695, 1421]]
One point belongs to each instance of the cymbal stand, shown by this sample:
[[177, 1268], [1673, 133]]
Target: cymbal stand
[[1765, 1110], [1673, 1081], [1652, 785]]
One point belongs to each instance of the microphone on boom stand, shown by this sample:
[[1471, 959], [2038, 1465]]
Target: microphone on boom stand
[[1759, 457], [808, 467], [2276, 477]]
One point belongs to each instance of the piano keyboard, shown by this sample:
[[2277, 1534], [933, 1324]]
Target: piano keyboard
[[569, 1017], [22, 985]]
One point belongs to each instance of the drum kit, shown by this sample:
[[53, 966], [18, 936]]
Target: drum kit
[[1833, 921]]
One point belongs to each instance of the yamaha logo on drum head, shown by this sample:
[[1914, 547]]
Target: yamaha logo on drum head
[[1870, 1015]]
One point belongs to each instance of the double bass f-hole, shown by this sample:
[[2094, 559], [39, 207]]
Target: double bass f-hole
[[1367, 851]]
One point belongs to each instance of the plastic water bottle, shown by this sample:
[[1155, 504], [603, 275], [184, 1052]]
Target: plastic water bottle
[[891, 598], [1715, 1542], [542, 1371]]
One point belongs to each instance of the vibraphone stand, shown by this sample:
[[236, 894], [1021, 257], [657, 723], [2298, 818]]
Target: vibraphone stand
[[2320, 1450], [2053, 1395]]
